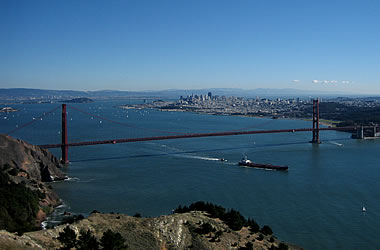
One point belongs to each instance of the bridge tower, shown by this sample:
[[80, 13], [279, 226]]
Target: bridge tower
[[64, 145], [316, 122]]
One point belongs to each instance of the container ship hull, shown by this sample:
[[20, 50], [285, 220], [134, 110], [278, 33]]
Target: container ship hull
[[263, 166]]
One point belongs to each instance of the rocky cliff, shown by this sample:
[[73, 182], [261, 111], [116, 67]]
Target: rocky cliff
[[35, 162], [26, 165]]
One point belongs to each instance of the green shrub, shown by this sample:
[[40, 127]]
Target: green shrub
[[71, 219], [68, 238], [204, 229], [253, 226], [87, 241], [234, 220], [137, 215], [248, 246], [219, 233], [18, 206], [112, 241], [266, 230], [214, 211], [260, 238], [283, 246]]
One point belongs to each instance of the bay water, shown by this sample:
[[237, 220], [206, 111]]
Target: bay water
[[317, 204]]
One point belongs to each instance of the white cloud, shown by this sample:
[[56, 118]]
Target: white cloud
[[296, 81], [330, 81]]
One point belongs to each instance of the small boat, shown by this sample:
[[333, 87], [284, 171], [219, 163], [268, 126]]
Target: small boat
[[364, 209], [249, 163], [222, 159]]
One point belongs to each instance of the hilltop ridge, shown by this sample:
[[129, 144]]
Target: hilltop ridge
[[41, 94], [175, 231]]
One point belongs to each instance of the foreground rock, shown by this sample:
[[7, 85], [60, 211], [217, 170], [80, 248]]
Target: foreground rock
[[176, 231], [23, 165]]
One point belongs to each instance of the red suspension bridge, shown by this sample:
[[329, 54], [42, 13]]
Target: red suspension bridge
[[64, 145]]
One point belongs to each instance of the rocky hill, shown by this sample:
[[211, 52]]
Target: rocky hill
[[24, 170], [35, 162], [176, 231]]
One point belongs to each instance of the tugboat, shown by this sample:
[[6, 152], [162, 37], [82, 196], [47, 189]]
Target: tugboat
[[249, 163]]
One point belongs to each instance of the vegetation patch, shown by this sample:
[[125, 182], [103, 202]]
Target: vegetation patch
[[231, 217], [18, 206], [87, 241]]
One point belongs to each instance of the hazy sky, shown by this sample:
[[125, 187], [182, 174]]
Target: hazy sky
[[185, 44]]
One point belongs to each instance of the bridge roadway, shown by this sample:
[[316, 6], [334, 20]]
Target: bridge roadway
[[156, 138]]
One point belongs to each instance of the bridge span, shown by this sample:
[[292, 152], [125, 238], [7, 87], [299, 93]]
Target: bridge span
[[157, 138], [64, 145]]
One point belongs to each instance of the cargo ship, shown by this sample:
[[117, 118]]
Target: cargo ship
[[249, 163]]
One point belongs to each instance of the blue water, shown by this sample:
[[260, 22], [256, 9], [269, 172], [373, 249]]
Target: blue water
[[316, 204]]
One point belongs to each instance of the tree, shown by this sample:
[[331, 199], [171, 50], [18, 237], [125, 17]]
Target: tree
[[248, 246], [283, 246], [112, 241], [260, 238], [68, 238], [18, 205], [266, 230], [234, 220], [87, 241], [204, 229], [137, 215], [253, 226], [219, 233]]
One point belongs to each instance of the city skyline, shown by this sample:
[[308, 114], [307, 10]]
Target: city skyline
[[157, 45]]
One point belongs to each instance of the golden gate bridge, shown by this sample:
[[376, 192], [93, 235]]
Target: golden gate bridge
[[65, 144]]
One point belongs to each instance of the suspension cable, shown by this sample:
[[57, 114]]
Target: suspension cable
[[120, 123], [31, 122]]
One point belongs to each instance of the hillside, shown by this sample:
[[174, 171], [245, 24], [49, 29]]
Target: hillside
[[176, 231], [24, 171]]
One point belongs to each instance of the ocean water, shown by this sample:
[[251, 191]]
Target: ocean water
[[317, 204]]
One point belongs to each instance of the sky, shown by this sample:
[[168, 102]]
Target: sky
[[190, 44]]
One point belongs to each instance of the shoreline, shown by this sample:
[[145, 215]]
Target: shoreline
[[328, 123]]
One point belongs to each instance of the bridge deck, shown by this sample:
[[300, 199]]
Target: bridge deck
[[156, 138]]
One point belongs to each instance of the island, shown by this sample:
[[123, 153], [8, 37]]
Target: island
[[79, 100], [7, 110]]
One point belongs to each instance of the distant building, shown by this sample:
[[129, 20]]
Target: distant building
[[209, 95]]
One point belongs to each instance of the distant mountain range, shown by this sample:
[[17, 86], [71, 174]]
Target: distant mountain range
[[24, 93]]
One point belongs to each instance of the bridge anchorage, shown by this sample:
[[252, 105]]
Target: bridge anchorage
[[64, 145]]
